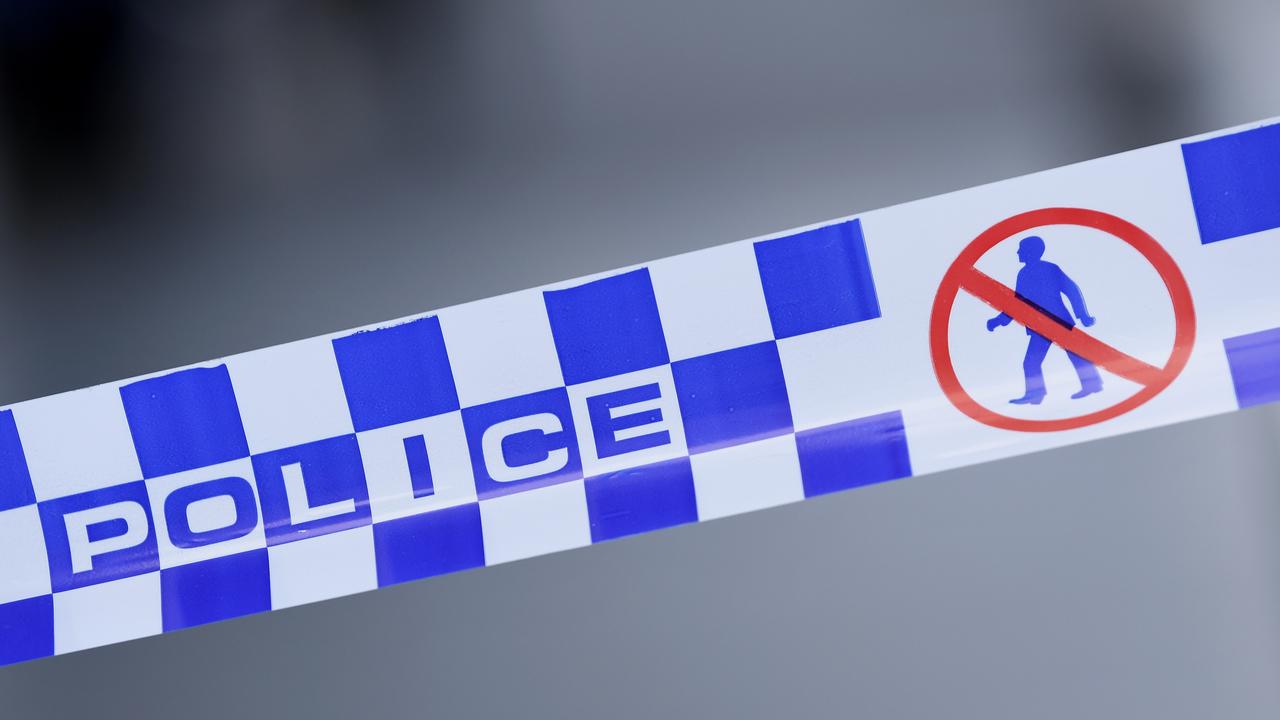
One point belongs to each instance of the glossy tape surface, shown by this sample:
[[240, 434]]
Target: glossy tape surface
[[1101, 298]]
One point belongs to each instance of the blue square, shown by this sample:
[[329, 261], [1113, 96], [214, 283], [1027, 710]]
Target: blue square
[[396, 374], [184, 420], [732, 397], [428, 544], [606, 327], [1254, 360], [212, 590], [1235, 183], [817, 279], [316, 477], [853, 453], [531, 443], [641, 499], [15, 480], [26, 629], [98, 536]]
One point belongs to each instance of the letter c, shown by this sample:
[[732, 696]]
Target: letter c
[[496, 436]]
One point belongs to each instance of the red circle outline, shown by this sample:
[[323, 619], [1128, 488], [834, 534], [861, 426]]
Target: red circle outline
[[1137, 238]]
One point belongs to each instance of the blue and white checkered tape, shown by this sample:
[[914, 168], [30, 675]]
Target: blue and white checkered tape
[[718, 382]]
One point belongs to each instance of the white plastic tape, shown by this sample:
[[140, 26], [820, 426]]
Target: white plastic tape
[[1128, 292]]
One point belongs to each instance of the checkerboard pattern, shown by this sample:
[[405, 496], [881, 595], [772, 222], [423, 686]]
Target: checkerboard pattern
[[719, 382], [521, 425]]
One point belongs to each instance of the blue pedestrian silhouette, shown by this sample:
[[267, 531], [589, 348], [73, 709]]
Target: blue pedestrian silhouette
[[1042, 285]]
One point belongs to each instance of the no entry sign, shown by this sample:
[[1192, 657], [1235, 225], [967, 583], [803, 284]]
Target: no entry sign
[[963, 274]]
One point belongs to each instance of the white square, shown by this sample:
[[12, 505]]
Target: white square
[[1233, 279], [665, 401], [204, 515], [322, 567], [535, 522], [747, 477], [500, 348], [77, 441], [843, 373], [711, 300], [107, 613], [290, 395], [24, 569], [386, 466]]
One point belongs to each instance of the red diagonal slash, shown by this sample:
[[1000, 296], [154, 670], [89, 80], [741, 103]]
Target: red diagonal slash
[[1003, 299]]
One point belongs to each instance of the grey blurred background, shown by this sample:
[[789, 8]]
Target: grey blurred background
[[181, 180]]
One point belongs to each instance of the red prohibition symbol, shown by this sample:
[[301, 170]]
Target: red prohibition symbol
[[963, 274]]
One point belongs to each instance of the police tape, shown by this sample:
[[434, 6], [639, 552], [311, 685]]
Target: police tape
[[745, 376]]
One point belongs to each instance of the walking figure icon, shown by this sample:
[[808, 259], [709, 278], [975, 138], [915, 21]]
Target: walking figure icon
[[1043, 285], [1039, 302]]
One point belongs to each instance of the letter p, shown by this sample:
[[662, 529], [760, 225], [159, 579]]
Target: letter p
[[99, 536], [104, 529]]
